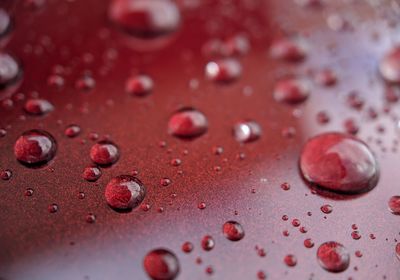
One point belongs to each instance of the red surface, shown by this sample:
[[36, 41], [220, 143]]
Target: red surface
[[245, 179]]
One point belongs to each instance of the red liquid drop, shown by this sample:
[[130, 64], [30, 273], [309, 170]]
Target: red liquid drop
[[10, 73], [124, 192], [394, 204], [139, 85], [207, 243], [246, 131], [38, 107], [187, 123], [289, 49], [333, 257], [91, 173], [145, 19], [104, 153], [35, 147], [390, 66], [290, 260], [161, 264], [340, 163], [233, 231], [224, 71], [291, 91]]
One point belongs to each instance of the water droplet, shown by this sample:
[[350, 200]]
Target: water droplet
[[5, 174], [325, 77], [358, 254], [246, 131], [351, 126], [333, 256], [285, 186], [207, 243], [52, 208], [10, 74], [201, 206], [291, 91], [296, 222], [389, 66], [394, 204], [161, 264], [72, 131], [145, 19], [165, 182], [104, 153], [290, 260], [91, 173], [289, 49], [140, 85], [340, 163], [85, 83], [38, 107], [124, 192], [308, 243], [28, 192], [187, 247], [397, 249], [224, 71], [5, 23], [233, 231], [187, 123], [35, 147], [90, 218], [326, 208]]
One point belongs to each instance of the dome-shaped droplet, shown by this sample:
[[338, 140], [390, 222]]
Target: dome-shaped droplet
[[223, 71], [187, 123], [290, 260], [289, 49], [207, 243], [124, 192], [394, 204], [333, 256], [161, 264], [10, 72], [72, 131], [35, 147], [104, 153], [145, 19], [38, 107], [233, 231], [139, 85], [91, 173], [340, 163], [389, 66], [246, 131], [292, 90], [5, 23]]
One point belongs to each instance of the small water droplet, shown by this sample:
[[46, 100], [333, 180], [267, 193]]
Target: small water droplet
[[291, 49], [72, 131], [140, 85], [394, 204], [290, 260], [91, 173], [104, 153], [90, 218], [246, 131], [223, 71], [28, 192], [233, 231], [207, 243], [38, 107], [340, 163], [165, 182], [291, 91], [161, 264], [52, 208], [187, 123], [201, 205], [124, 192], [5, 174], [326, 208], [333, 256], [35, 147], [308, 243], [187, 247]]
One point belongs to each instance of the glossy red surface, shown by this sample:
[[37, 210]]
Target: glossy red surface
[[74, 57]]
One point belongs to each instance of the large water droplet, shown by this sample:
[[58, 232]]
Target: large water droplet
[[340, 163], [389, 66], [292, 90], [104, 153], [187, 123], [161, 264], [35, 147], [233, 231], [145, 19], [333, 256], [125, 192]]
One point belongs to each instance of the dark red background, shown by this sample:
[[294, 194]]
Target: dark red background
[[35, 244]]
